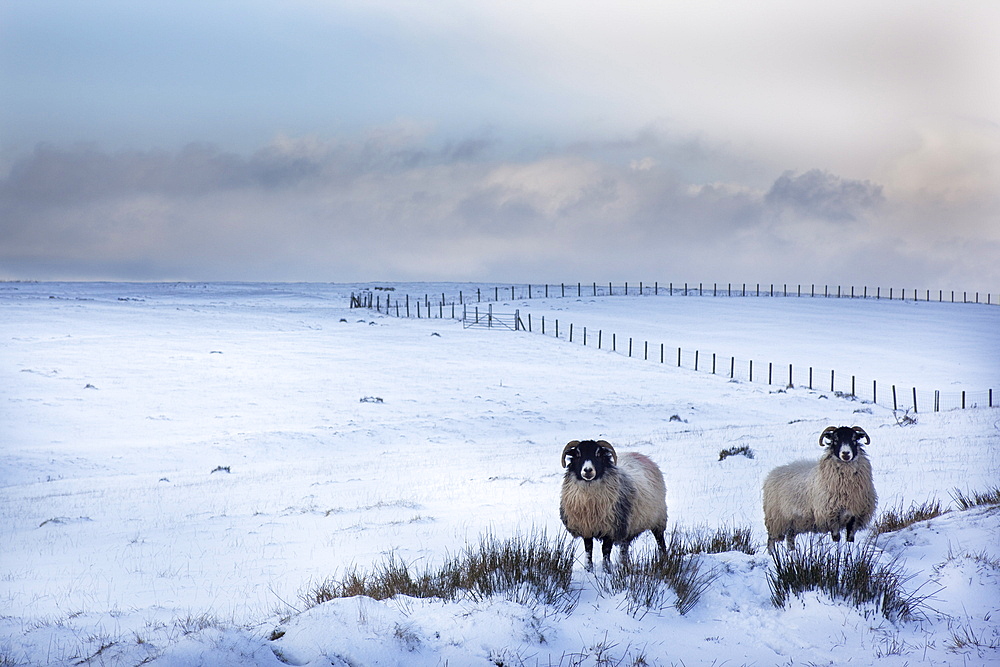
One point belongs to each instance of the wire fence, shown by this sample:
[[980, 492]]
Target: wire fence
[[496, 293], [780, 376]]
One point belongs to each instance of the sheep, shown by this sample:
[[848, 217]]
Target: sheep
[[833, 494], [612, 499]]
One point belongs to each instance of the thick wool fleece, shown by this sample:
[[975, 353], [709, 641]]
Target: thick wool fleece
[[811, 497], [624, 502]]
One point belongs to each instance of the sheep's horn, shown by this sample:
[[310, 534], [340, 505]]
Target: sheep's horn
[[860, 433], [614, 454], [570, 445], [826, 432]]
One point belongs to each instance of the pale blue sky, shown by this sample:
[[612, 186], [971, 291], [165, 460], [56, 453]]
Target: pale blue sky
[[501, 141]]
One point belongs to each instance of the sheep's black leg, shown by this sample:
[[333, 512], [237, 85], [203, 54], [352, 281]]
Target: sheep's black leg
[[625, 544], [606, 549], [660, 542], [835, 534], [790, 539], [588, 547], [850, 530]]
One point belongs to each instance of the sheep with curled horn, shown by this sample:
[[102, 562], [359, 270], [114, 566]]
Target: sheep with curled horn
[[611, 498], [831, 495]]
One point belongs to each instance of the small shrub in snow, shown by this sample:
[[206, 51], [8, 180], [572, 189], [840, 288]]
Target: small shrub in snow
[[742, 450], [966, 638], [858, 575], [653, 582], [894, 519], [966, 502], [524, 569], [722, 540]]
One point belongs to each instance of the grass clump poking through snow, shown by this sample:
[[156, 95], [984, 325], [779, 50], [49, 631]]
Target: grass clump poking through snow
[[894, 519], [742, 450], [525, 569], [858, 575], [966, 502], [652, 582], [722, 540]]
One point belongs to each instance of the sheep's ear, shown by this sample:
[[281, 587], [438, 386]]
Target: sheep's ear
[[859, 433], [826, 437], [572, 444], [607, 445]]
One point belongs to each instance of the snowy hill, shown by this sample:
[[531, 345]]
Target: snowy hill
[[184, 462]]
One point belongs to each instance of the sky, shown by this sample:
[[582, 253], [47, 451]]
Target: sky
[[822, 142]]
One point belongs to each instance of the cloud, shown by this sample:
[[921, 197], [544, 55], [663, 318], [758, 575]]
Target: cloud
[[393, 204], [818, 194]]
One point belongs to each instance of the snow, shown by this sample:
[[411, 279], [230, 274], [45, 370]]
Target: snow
[[183, 461]]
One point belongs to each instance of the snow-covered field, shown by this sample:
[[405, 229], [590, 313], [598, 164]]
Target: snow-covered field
[[349, 436]]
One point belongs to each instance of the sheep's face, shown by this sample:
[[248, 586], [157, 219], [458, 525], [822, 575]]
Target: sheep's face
[[588, 460], [845, 442]]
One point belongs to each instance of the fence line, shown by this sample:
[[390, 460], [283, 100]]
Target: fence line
[[781, 376], [529, 291]]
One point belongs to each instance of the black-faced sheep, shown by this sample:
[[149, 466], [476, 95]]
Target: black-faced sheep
[[610, 498], [833, 494]]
